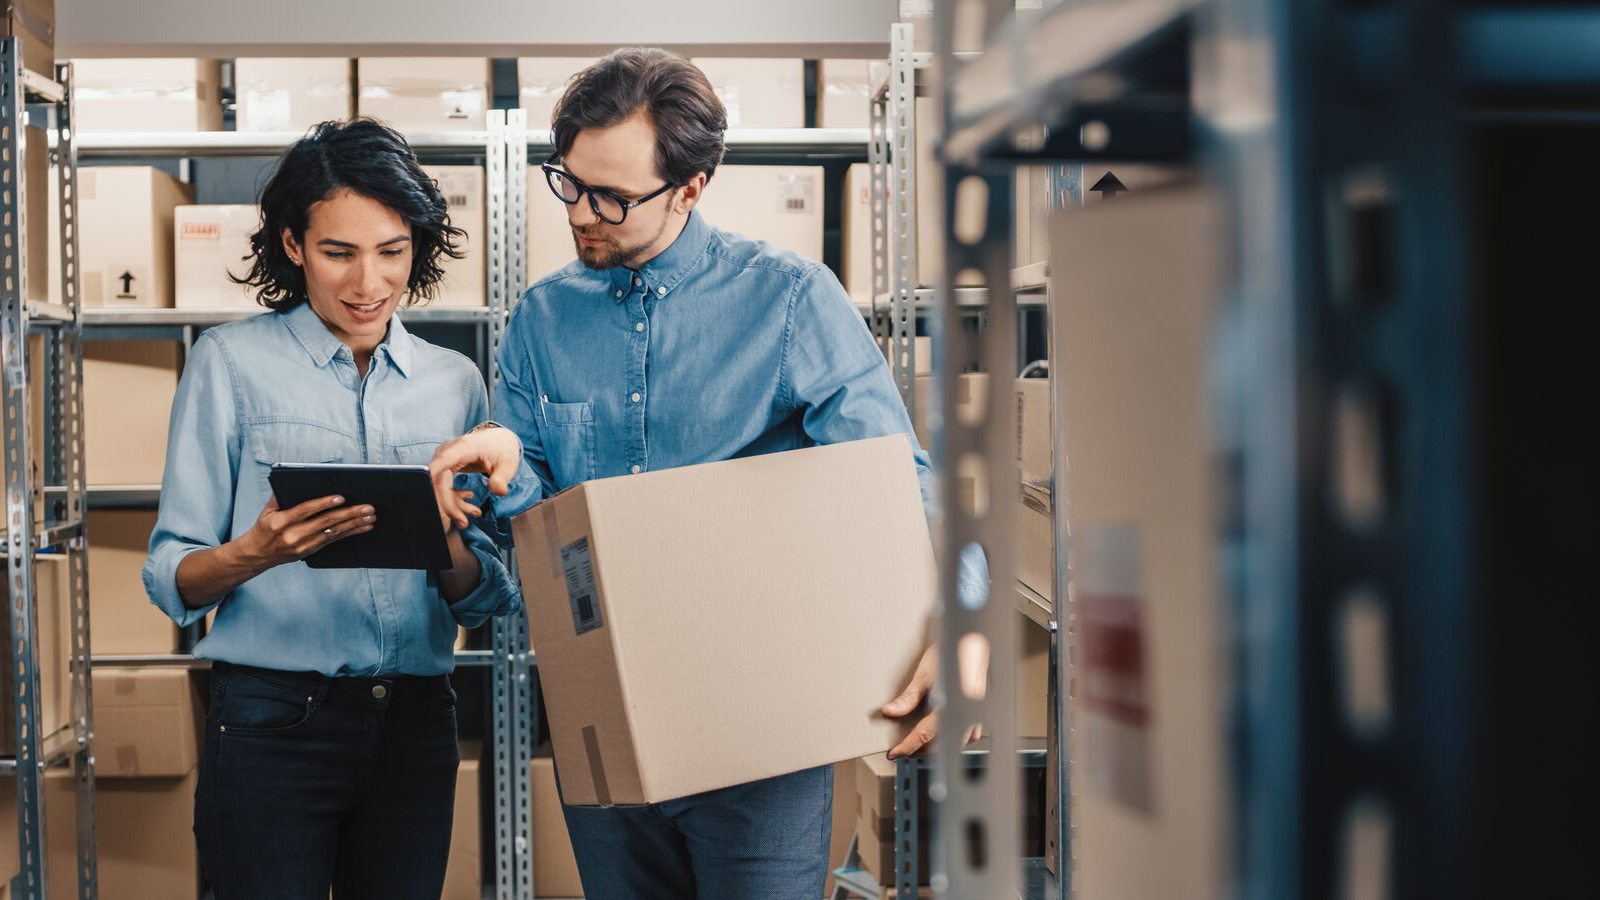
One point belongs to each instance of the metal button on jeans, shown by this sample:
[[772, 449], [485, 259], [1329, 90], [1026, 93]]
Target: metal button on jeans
[[379, 691]]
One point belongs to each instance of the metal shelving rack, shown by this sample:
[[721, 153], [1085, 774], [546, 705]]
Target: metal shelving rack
[[61, 327]]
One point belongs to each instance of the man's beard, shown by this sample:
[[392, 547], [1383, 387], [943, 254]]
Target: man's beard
[[610, 255]]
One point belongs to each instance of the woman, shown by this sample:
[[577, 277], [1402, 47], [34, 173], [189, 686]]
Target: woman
[[331, 752]]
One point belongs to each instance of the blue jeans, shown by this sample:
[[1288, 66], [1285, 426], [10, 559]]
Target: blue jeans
[[766, 840], [310, 783]]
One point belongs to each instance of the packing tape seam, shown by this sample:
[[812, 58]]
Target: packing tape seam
[[552, 537], [597, 766]]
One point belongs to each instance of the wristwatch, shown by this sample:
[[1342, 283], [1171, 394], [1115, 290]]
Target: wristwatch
[[484, 426]]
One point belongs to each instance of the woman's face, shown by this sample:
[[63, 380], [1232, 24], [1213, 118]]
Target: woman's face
[[357, 261]]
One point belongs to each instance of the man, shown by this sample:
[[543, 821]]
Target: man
[[670, 343]]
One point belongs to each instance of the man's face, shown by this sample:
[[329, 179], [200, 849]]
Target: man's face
[[621, 160]]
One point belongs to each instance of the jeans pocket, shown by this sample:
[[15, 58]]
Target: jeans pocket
[[247, 705]]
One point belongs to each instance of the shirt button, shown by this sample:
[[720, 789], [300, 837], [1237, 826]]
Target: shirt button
[[638, 326], [637, 282], [619, 294], [635, 469], [661, 291], [635, 397], [379, 691]]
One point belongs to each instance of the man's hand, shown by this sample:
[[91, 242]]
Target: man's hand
[[495, 452], [973, 666]]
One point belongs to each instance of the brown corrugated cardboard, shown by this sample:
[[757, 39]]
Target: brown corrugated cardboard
[[541, 82], [1150, 774], [34, 21], [972, 391], [758, 93], [843, 86], [292, 94], [930, 199], [147, 722], [466, 279], [555, 869], [143, 831], [1035, 528], [874, 778], [1033, 678], [463, 878], [855, 218], [210, 243], [53, 643], [127, 396], [424, 94], [123, 620], [125, 238], [1033, 430], [781, 205], [1031, 238], [146, 95], [808, 574], [38, 179]]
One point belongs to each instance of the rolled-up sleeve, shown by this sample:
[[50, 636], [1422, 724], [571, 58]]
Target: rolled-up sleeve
[[197, 486], [497, 593]]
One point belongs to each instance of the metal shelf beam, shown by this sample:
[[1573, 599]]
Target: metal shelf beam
[[180, 317]]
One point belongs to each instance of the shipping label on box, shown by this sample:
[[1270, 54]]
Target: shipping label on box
[[809, 573], [781, 205], [466, 279], [211, 246]]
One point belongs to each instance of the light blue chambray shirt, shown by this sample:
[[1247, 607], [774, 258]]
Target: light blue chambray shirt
[[281, 388], [720, 347]]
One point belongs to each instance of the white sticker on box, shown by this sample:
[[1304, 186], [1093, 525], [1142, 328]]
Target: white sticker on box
[[578, 564], [795, 192]]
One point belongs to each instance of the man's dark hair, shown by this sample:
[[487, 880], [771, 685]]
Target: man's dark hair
[[688, 116], [365, 157]]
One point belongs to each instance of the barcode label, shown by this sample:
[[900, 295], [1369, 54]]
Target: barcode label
[[455, 200], [795, 192], [577, 563]]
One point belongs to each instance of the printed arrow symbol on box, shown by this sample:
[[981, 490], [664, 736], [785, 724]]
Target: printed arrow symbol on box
[[1109, 187], [127, 282]]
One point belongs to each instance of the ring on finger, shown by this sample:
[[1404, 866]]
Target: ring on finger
[[328, 531]]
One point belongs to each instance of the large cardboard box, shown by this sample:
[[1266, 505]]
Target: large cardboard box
[[844, 89], [210, 243], [425, 94], [808, 575], [292, 94], [555, 869], [122, 618], [541, 80], [34, 21], [855, 217], [147, 95], [1150, 779], [781, 205], [971, 396], [53, 644], [148, 722], [143, 831], [128, 388], [466, 280], [125, 245], [758, 93], [463, 878]]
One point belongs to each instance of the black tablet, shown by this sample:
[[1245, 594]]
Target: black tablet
[[408, 533]]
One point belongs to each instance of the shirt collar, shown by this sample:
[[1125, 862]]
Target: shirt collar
[[320, 344], [672, 265]]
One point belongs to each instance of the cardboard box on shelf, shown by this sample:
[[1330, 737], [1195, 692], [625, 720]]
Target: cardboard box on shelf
[[1031, 240], [550, 242], [292, 94], [123, 620], [128, 388], [34, 21], [36, 428], [38, 181], [148, 722], [463, 879], [212, 242], [1033, 430], [874, 779], [781, 205], [424, 94], [143, 831], [843, 93], [466, 280], [972, 388], [555, 869], [758, 93], [1033, 678], [1150, 768], [125, 217], [726, 554], [177, 94], [856, 221], [1035, 522], [53, 650], [541, 80]]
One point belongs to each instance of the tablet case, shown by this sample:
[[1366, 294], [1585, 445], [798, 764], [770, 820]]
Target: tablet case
[[408, 533]]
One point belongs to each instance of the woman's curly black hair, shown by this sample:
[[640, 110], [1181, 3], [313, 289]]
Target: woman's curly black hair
[[372, 160]]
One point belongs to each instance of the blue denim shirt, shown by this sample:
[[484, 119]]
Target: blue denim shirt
[[720, 347], [281, 388]]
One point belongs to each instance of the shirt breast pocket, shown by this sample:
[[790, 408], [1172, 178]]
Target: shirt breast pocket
[[293, 442], [567, 430]]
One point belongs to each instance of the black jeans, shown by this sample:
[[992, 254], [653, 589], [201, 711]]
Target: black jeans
[[310, 783]]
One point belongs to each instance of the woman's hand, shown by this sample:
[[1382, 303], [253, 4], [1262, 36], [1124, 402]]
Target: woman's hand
[[284, 536]]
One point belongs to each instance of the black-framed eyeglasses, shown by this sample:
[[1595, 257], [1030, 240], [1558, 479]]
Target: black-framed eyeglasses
[[608, 206]]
